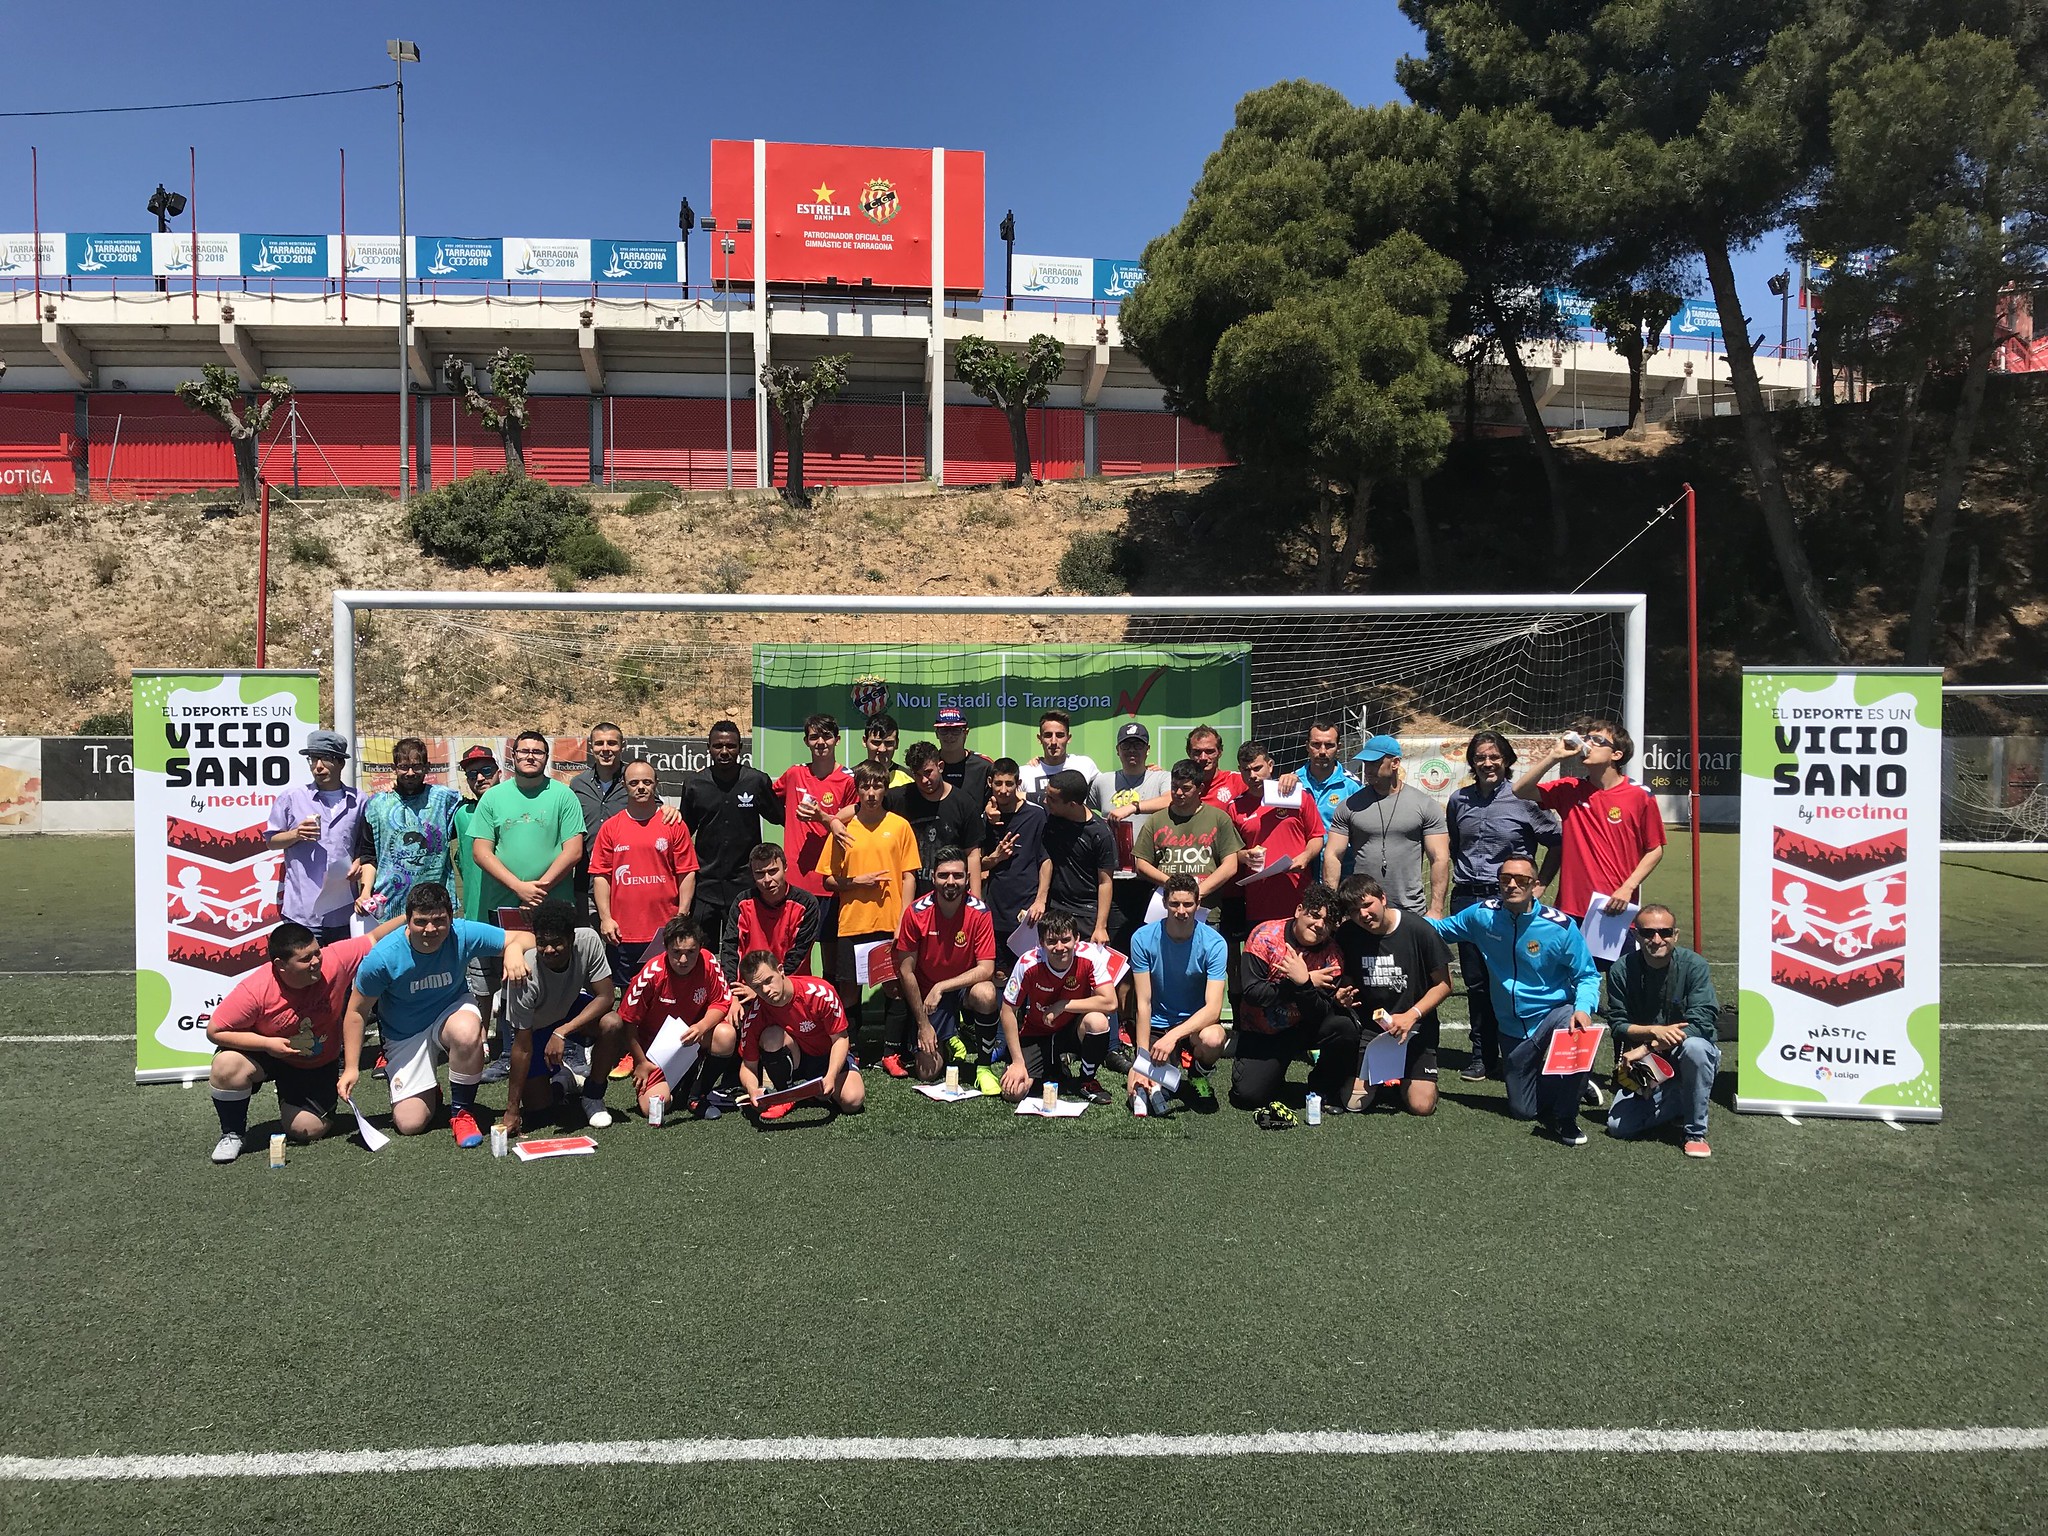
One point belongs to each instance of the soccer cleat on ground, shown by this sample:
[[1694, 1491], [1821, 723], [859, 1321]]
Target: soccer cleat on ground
[[1276, 1117], [1093, 1091], [462, 1126], [775, 1111], [1568, 1136], [1590, 1095], [595, 1115], [957, 1053], [1474, 1071], [893, 1065], [623, 1067], [1697, 1147], [1195, 1086], [380, 1072], [1120, 1058], [229, 1147], [988, 1080]]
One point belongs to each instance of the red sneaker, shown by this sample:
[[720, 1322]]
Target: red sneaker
[[1698, 1148], [893, 1065], [462, 1125], [776, 1111]]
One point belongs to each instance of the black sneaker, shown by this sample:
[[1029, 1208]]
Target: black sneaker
[[1565, 1136], [1120, 1058], [1590, 1095], [1474, 1071], [1276, 1117], [1093, 1091]]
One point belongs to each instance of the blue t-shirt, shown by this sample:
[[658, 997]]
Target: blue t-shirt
[[417, 989], [1181, 969]]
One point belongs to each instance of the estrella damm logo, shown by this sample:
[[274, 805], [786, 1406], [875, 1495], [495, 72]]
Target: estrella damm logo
[[879, 202]]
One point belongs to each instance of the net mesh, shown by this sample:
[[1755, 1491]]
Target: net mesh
[[1521, 670], [1994, 761]]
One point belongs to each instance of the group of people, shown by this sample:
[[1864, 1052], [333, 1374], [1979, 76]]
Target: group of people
[[1005, 925]]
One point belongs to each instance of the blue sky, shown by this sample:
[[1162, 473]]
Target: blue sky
[[556, 120]]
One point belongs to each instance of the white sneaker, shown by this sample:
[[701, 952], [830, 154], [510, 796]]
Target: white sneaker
[[595, 1115], [228, 1148], [1590, 1095]]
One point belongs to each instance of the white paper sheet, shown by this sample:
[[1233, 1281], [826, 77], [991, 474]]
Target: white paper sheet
[[1165, 1073], [1386, 1059], [945, 1095], [1607, 932], [868, 968], [372, 1137], [668, 1051], [1066, 1109], [1275, 797], [1023, 939], [1273, 867]]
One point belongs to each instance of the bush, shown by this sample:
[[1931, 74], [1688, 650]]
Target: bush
[[730, 574], [587, 552], [1101, 563], [106, 566], [652, 496], [304, 548], [495, 521], [82, 665], [107, 722]]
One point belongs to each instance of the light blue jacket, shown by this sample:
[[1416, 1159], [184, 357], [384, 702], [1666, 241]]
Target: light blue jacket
[[1534, 963]]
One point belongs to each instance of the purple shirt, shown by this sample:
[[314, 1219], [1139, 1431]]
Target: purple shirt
[[316, 888]]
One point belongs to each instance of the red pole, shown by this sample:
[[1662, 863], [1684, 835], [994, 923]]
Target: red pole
[[262, 567], [1692, 651], [193, 151], [344, 237], [35, 199]]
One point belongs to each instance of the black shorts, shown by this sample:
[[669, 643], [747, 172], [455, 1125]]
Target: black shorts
[[314, 1088], [1128, 900], [1231, 919], [1042, 1053]]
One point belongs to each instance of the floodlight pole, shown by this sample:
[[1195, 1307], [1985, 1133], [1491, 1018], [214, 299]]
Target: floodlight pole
[[401, 51], [1692, 652]]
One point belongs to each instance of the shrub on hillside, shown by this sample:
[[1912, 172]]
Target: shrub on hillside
[[503, 520], [1101, 563]]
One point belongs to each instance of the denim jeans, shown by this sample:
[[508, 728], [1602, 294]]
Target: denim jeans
[[1554, 1101], [1686, 1095], [1478, 989]]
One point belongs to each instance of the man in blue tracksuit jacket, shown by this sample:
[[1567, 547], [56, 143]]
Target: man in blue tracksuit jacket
[[1542, 980]]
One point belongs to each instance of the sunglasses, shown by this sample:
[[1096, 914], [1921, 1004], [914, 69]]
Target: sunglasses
[[1516, 882], [1655, 933], [1599, 741]]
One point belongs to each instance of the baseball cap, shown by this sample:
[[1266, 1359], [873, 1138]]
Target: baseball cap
[[1378, 747], [479, 757], [1132, 730], [325, 744], [948, 719]]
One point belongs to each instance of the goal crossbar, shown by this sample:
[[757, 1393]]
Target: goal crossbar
[[1631, 607]]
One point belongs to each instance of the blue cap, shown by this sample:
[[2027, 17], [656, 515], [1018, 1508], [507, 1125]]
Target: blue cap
[[1377, 748]]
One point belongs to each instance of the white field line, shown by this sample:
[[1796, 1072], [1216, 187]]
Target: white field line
[[6, 1039], [889, 1448]]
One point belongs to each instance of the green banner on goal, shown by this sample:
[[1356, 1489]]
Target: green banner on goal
[[1002, 691]]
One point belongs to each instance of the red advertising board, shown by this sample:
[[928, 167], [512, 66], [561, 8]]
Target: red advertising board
[[849, 212], [23, 470]]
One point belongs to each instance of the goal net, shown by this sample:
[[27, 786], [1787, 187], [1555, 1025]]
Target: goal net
[[484, 663], [1994, 767]]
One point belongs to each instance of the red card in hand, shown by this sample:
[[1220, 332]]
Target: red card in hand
[[1572, 1051], [795, 1093]]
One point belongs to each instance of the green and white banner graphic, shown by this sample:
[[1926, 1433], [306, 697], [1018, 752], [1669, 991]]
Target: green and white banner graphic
[[1841, 893], [213, 751], [1002, 692]]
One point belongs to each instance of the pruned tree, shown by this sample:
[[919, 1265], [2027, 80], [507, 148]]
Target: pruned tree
[[793, 391], [218, 393], [504, 410], [1013, 382]]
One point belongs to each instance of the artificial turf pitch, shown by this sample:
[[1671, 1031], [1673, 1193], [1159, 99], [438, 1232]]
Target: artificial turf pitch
[[923, 1270]]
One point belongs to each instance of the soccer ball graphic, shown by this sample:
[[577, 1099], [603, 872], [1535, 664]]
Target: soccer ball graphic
[[1848, 946]]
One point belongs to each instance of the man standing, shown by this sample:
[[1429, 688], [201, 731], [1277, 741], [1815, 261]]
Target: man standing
[[1219, 785], [776, 915], [600, 789], [1083, 854], [1389, 827], [1543, 981], [1016, 875], [479, 767], [1293, 973], [1124, 796], [1401, 971], [643, 871], [527, 834], [683, 983], [1190, 837], [811, 793], [880, 738], [724, 807], [946, 965], [315, 826], [871, 876], [797, 1024], [425, 1015], [1056, 1012], [1178, 965], [1613, 831], [1324, 773], [1055, 735], [966, 771], [1488, 823], [567, 995], [938, 815], [1278, 827], [1661, 1003], [405, 835]]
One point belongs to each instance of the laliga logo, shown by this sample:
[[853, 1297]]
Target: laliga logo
[[870, 695], [1824, 1074]]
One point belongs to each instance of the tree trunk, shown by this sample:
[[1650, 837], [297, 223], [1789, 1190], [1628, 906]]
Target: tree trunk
[[245, 468], [1635, 387], [1891, 517], [1418, 523], [1326, 539], [793, 482], [514, 436], [1539, 438], [1808, 612], [1948, 490], [1472, 366], [1020, 440], [1354, 528]]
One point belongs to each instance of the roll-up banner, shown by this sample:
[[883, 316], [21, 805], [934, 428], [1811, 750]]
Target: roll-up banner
[[1841, 893], [213, 751]]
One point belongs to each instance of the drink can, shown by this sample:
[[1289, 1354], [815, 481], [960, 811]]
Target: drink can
[[953, 1076], [1573, 740], [501, 1143], [656, 1108], [277, 1150], [1315, 1109]]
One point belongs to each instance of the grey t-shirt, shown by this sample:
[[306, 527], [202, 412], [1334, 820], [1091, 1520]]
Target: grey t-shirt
[[1386, 833], [548, 997], [1112, 788]]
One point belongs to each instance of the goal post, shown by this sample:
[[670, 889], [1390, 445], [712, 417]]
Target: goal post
[[1419, 665], [1994, 768]]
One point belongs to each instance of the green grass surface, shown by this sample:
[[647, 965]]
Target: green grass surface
[[924, 1270]]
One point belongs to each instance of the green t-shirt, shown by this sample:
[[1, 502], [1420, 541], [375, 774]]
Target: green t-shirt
[[1195, 846], [526, 828], [465, 863]]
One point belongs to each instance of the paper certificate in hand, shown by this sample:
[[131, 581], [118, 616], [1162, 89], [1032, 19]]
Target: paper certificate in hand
[[1607, 932], [1386, 1058], [875, 963], [669, 1052], [1572, 1051]]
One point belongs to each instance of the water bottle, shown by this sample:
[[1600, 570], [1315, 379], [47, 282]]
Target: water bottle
[[1315, 1109]]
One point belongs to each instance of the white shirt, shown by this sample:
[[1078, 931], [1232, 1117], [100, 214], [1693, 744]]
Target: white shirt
[[1032, 776]]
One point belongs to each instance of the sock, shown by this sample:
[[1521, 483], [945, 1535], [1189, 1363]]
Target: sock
[[986, 1027], [1093, 1049], [896, 1024], [232, 1105], [462, 1090]]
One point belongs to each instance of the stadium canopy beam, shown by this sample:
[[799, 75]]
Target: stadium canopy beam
[[349, 601], [1098, 370], [593, 359], [242, 351], [63, 344], [416, 358]]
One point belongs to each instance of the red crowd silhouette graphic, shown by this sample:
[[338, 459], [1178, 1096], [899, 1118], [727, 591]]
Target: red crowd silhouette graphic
[[1838, 916]]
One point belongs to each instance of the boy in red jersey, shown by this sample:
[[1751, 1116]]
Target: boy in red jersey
[[775, 915], [685, 983], [643, 870], [1613, 831], [1057, 1007], [1294, 1006], [1205, 750], [1273, 834], [813, 793], [946, 961], [797, 1023]]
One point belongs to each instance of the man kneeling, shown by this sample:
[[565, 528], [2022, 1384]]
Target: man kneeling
[[1401, 971], [946, 961], [1293, 1006], [420, 978], [795, 1030], [568, 996], [1661, 1003], [684, 984], [1056, 1013]]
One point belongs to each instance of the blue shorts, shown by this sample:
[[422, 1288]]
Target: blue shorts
[[538, 1066]]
